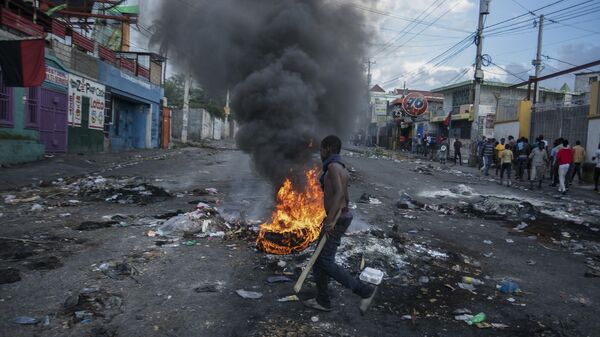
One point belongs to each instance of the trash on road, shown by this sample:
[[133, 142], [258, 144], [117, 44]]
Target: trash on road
[[249, 294], [508, 287], [278, 279], [521, 226], [26, 320], [190, 243], [488, 242], [371, 275], [479, 318], [473, 281], [290, 298], [466, 286]]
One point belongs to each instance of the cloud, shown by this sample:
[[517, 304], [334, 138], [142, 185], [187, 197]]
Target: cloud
[[578, 53]]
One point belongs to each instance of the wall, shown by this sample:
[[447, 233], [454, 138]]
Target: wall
[[139, 92], [17, 143], [75, 60], [593, 138], [503, 130], [201, 125]]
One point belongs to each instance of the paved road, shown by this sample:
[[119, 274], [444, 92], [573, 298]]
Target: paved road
[[160, 300]]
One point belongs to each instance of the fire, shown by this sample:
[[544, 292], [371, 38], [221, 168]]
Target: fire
[[296, 221]]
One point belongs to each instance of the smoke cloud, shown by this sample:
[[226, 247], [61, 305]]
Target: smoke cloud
[[294, 67]]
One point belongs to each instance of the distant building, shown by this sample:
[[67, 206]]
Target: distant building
[[583, 84], [498, 103]]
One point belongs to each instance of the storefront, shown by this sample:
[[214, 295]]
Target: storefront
[[135, 119], [86, 104]]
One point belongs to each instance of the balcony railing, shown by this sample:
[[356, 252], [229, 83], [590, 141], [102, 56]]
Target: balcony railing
[[144, 65]]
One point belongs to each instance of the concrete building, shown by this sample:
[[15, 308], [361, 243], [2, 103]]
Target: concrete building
[[583, 84], [201, 126], [93, 99], [498, 104]]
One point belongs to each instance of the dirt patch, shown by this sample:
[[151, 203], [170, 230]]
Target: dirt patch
[[9, 275], [93, 225]]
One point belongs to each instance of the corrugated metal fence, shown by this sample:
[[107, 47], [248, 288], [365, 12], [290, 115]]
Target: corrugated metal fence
[[566, 122]]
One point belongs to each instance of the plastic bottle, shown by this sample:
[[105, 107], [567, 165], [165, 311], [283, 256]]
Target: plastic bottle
[[480, 317], [473, 281]]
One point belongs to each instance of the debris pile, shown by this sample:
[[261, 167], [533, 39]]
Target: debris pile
[[90, 304], [121, 190]]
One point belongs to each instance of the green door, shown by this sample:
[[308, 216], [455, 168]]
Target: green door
[[82, 139]]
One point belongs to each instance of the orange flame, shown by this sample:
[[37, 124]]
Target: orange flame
[[296, 221]]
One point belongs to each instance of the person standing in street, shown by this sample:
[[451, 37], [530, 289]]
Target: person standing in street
[[578, 159], [522, 157], [564, 159], [554, 173], [443, 152], [480, 145], [597, 168], [506, 162], [457, 154], [488, 155], [334, 182], [499, 148], [539, 161]]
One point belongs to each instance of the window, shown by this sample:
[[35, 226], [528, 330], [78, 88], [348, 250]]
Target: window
[[6, 113], [32, 105], [593, 79]]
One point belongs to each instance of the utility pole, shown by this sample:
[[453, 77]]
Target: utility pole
[[369, 110], [538, 60], [484, 9], [186, 108]]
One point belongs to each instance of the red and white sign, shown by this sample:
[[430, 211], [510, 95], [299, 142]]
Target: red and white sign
[[56, 76], [415, 104]]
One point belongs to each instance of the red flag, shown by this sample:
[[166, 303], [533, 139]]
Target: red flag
[[448, 119], [22, 62]]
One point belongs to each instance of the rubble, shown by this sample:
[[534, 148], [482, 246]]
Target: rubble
[[123, 190], [91, 304]]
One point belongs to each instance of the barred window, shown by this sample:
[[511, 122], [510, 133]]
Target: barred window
[[6, 114], [32, 107]]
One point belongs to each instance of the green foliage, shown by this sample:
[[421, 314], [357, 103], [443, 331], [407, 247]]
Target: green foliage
[[174, 87]]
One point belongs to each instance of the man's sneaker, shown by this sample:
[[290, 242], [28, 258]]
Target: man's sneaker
[[313, 304], [365, 303]]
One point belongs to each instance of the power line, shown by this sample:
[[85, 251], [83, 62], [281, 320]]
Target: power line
[[393, 16], [508, 72], [422, 30], [460, 44], [410, 26]]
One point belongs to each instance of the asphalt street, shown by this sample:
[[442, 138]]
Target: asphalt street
[[90, 265]]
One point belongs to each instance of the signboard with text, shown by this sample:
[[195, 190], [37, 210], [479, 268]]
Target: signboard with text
[[56, 76], [80, 87], [415, 104]]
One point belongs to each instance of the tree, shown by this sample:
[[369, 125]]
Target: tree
[[174, 86]]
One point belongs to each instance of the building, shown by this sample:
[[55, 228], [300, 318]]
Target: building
[[393, 127], [583, 84], [94, 98], [498, 104]]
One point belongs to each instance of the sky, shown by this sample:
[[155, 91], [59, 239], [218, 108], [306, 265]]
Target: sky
[[410, 38], [402, 49]]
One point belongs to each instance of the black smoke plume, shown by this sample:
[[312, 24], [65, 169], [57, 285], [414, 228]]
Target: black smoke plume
[[294, 67]]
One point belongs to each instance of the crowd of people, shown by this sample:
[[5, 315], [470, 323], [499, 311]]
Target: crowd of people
[[535, 161]]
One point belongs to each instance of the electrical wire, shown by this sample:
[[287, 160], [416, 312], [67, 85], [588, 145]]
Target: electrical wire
[[409, 27], [509, 72], [460, 45]]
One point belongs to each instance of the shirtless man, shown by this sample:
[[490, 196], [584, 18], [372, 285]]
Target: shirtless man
[[334, 182]]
